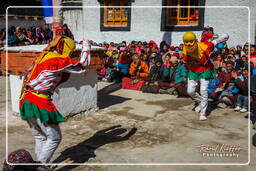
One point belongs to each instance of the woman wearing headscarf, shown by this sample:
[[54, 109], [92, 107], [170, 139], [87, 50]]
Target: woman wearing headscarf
[[40, 35]]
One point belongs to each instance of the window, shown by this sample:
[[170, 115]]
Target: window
[[115, 18], [182, 18]]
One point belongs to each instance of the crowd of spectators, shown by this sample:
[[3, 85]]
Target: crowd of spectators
[[18, 36], [159, 69]]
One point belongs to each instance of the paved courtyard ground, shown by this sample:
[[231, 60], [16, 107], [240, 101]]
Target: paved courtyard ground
[[167, 132]]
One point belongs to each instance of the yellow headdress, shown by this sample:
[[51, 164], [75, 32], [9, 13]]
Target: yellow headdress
[[189, 38]]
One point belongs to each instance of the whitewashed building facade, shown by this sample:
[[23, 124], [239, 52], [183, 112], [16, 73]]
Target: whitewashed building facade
[[146, 20]]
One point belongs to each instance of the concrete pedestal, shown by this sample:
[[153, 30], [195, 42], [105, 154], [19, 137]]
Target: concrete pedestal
[[76, 95]]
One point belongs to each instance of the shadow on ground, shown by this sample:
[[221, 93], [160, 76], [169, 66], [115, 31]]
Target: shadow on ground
[[105, 99], [85, 150]]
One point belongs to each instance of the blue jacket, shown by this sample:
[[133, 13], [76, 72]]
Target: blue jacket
[[180, 75], [122, 67], [213, 84]]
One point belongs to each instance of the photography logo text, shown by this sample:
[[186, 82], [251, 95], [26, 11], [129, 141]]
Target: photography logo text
[[219, 150]]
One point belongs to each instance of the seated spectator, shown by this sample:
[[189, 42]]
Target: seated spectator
[[213, 84], [166, 68], [105, 72], [2, 37], [67, 32], [101, 73], [241, 62], [177, 76], [245, 48], [162, 43], [178, 72], [218, 62], [138, 68], [12, 38], [224, 79], [48, 34], [152, 59], [232, 51], [242, 99], [145, 58], [120, 69], [40, 36], [20, 35], [155, 74], [30, 38], [37, 41], [238, 50], [239, 73], [228, 96], [139, 72], [139, 48]]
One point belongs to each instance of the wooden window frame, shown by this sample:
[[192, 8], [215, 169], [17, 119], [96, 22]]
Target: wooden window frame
[[115, 27], [186, 27], [121, 22]]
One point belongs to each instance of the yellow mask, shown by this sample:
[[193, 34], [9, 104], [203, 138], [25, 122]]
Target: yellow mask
[[63, 45], [189, 39], [69, 46]]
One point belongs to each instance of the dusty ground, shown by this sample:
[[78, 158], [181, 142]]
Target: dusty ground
[[167, 132]]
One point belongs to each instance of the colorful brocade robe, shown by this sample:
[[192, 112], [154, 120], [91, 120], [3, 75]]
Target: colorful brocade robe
[[45, 75], [205, 68]]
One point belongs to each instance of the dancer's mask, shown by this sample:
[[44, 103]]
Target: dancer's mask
[[63, 45], [68, 46], [189, 40]]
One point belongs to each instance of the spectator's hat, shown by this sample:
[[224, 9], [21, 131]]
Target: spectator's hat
[[176, 54], [122, 48], [172, 48], [239, 46], [18, 156], [144, 43]]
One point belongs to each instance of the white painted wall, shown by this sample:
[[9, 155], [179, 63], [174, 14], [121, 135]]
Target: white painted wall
[[145, 23], [77, 95], [74, 20], [15, 86], [233, 21]]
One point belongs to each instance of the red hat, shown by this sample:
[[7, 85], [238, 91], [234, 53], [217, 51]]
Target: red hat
[[176, 54], [172, 48], [153, 42], [18, 156]]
